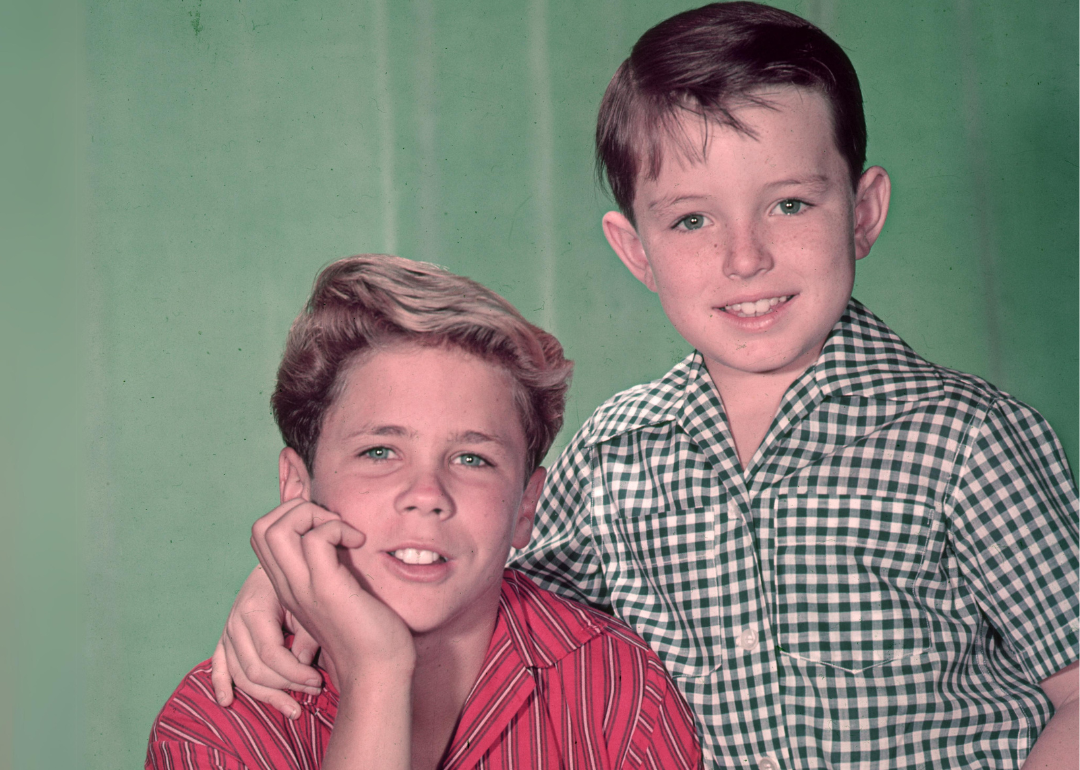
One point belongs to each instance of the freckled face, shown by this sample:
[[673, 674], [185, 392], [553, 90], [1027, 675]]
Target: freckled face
[[423, 451], [752, 250]]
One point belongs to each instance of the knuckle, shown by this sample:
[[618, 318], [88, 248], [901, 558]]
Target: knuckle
[[254, 671]]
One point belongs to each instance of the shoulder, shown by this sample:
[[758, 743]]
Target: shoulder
[[194, 726], [866, 358], [635, 409], [643, 405], [995, 441], [970, 397], [192, 704], [194, 731], [562, 625], [989, 415], [603, 678]]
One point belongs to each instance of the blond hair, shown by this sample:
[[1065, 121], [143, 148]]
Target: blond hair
[[361, 303]]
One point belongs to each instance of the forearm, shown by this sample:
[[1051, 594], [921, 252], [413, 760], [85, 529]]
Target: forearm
[[373, 727], [1058, 745]]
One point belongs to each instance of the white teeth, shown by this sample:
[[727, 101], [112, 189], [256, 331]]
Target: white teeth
[[416, 556], [754, 309]]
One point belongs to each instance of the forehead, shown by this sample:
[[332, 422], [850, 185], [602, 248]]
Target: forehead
[[437, 390], [787, 118], [404, 372]]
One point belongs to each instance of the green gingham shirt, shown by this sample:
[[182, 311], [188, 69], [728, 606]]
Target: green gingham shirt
[[884, 586]]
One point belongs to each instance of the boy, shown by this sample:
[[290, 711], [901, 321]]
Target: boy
[[846, 556], [416, 407]]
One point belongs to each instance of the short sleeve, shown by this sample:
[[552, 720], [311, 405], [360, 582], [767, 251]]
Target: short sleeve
[[665, 736], [189, 733], [182, 755], [562, 556], [1015, 533]]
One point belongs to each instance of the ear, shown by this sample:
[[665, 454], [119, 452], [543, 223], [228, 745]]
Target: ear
[[293, 478], [871, 207], [623, 237], [523, 525]]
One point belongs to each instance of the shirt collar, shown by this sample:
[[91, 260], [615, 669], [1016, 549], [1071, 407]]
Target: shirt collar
[[534, 626], [542, 627], [862, 358], [653, 403]]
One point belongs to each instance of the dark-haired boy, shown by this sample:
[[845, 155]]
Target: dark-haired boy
[[846, 556], [416, 407]]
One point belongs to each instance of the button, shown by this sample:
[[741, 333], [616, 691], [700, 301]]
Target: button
[[748, 640], [768, 763]]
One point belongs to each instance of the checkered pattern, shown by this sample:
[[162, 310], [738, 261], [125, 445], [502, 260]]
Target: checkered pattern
[[884, 586]]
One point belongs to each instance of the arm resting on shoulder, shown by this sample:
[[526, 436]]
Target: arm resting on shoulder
[[1058, 746], [252, 655]]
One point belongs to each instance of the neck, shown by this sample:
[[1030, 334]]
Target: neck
[[447, 666], [751, 401], [448, 662]]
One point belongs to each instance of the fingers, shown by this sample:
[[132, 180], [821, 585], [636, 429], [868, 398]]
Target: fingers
[[275, 698], [219, 675], [321, 543], [304, 646], [291, 541], [273, 534], [256, 654], [328, 579], [299, 548], [264, 523], [251, 653]]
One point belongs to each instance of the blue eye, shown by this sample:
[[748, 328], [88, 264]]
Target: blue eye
[[790, 206], [691, 222], [472, 460], [378, 453]]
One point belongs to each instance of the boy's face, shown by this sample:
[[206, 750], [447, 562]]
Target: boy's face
[[423, 451], [752, 250]]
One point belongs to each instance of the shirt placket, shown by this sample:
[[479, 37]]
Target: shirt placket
[[750, 647], [755, 648], [756, 491]]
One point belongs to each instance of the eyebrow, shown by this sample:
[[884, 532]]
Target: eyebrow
[[666, 203], [381, 430], [477, 437], [815, 181], [464, 437]]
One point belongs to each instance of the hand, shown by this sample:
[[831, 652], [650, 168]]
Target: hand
[[298, 545], [252, 653], [371, 650]]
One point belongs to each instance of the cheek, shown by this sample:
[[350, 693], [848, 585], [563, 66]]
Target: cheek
[[684, 276], [495, 527], [358, 562]]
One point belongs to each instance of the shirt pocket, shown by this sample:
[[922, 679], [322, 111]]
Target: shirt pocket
[[660, 567], [847, 579]]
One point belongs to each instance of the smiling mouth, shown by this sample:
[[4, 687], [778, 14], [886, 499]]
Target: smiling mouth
[[416, 556], [754, 309]]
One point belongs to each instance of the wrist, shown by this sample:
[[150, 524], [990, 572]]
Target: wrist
[[373, 726], [370, 676]]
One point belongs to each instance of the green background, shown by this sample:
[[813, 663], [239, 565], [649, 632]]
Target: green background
[[197, 162]]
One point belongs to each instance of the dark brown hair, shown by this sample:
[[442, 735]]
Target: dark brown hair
[[363, 302], [707, 62]]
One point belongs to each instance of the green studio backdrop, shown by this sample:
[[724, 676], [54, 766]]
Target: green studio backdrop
[[230, 149]]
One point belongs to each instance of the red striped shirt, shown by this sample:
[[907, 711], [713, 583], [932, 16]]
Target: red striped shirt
[[562, 686]]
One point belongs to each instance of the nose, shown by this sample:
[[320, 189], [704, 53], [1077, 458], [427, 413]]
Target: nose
[[745, 252], [426, 493]]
